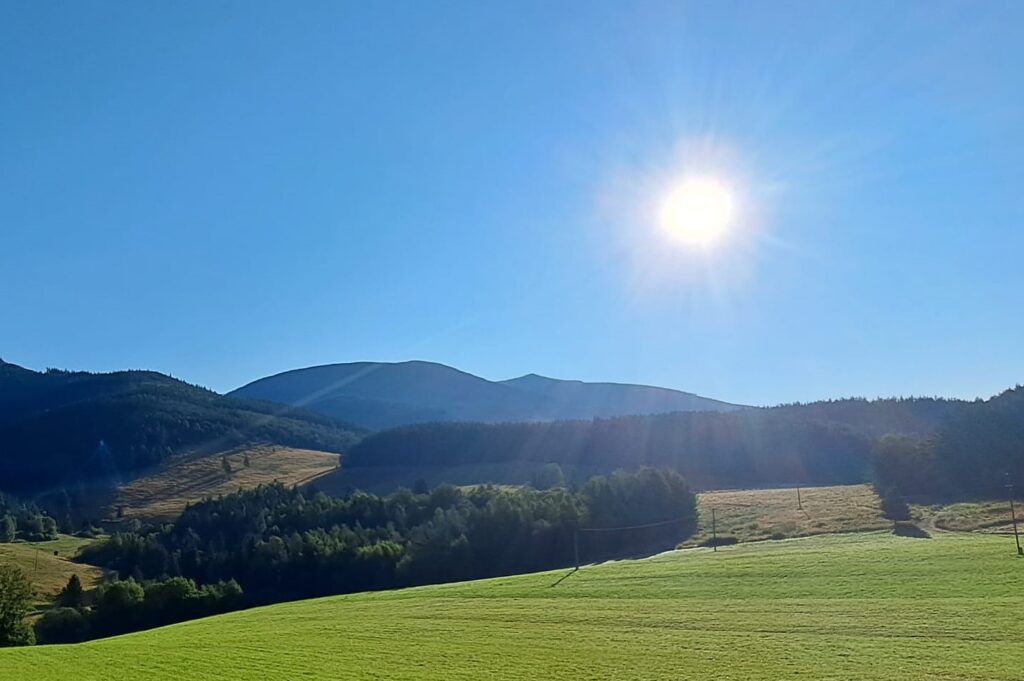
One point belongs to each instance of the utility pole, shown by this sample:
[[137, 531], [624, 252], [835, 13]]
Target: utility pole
[[1013, 515], [576, 546], [714, 533], [799, 501]]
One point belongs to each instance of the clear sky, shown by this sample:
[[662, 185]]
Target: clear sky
[[224, 190]]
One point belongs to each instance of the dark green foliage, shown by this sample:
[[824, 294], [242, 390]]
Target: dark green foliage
[[749, 448], [548, 477], [63, 625], [19, 520], [281, 544], [72, 595], [60, 428], [893, 505], [225, 465], [126, 605], [15, 604], [973, 455]]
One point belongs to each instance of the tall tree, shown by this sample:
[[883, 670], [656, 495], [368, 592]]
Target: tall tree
[[8, 529], [15, 604], [72, 595]]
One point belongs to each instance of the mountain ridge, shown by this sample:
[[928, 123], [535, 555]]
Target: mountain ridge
[[387, 394]]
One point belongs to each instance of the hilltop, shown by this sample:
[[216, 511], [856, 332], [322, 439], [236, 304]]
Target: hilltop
[[382, 395]]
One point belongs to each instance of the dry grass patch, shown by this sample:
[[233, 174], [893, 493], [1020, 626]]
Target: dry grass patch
[[755, 515], [187, 480], [974, 516], [48, 572]]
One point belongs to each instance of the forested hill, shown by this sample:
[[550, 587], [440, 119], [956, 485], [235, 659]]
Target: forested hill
[[61, 428], [819, 443], [973, 454]]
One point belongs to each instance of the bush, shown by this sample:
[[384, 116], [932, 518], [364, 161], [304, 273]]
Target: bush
[[63, 625]]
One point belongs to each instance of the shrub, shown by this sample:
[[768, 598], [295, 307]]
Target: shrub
[[63, 625]]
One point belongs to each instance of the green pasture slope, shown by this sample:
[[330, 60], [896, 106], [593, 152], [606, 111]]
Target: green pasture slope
[[842, 608]]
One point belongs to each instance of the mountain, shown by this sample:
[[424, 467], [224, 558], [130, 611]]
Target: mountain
[[65, 428], [383, 395], [580, 400]]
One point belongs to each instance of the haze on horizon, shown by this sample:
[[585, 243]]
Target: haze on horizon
[[759, 203]]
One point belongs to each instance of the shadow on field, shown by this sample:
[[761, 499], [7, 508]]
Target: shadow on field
[[564, 577]]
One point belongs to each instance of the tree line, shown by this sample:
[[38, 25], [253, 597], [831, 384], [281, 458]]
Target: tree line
[[974, 454], [25, 521], [274, 543], [814, 444]]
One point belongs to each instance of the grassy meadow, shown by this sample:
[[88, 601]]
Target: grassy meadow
[[48, 572], [182, 481], [758, 514], [853, 607]]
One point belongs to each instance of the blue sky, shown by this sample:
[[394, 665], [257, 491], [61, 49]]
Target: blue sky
[[225, 190]]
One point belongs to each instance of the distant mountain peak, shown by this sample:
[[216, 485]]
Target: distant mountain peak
[[385, 394]]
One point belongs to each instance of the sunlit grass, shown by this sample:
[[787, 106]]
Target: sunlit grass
[[840, 608], [755, 515], [181, 481], [47, 572]]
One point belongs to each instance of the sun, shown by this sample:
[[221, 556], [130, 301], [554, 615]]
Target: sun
[[698, 211]]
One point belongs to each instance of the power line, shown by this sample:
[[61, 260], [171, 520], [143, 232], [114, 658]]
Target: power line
[[631, 527]]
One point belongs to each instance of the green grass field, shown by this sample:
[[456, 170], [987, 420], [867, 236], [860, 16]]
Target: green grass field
[[843, 608]]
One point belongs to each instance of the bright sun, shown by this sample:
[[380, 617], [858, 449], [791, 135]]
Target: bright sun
[[697, 211]]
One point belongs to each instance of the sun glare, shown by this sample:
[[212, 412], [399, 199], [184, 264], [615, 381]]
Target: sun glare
[[697, 211]]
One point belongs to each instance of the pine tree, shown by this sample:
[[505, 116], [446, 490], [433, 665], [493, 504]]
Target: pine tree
[[72, 595], [15, 604]]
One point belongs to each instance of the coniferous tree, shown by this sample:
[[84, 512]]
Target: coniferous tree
[[15, 605], [72, 595]]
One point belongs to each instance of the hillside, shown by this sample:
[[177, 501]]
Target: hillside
[[62, 429], [865, 607], [48, 565], [975, 453], [382, 395], [188, 480], [825, 443]]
